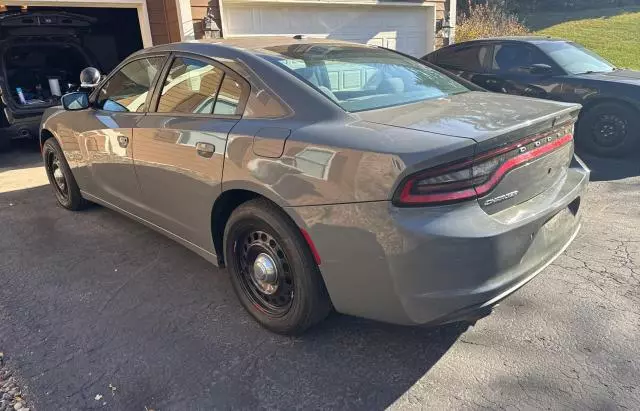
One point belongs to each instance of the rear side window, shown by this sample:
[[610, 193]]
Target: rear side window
[[228, 101], [190, 87], [469, 58], [127, 90]]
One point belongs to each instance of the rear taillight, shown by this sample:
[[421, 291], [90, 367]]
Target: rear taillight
[[473, 177]]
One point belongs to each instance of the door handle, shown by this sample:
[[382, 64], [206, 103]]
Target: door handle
[[123, 141], [206, 150]]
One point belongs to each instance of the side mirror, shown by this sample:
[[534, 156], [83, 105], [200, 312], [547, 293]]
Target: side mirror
[[541, 70], [75, 101], [90, 77]]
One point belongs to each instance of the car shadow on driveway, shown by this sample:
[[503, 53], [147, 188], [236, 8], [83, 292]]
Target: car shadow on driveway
[[92, 298], [22, 154], [609, 169]]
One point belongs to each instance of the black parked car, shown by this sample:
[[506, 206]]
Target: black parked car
[[560, 70]]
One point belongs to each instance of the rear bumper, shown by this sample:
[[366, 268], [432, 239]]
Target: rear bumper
[[482, 303], [440, 264], [27, 127]]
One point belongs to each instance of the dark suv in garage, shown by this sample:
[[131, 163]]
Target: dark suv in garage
[[41, 56]]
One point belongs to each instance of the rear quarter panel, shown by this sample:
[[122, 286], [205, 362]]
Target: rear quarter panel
[[334, 162]]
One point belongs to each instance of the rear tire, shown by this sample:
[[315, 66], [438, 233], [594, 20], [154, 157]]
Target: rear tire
[[60, 177], [272, 269], [609, 130]]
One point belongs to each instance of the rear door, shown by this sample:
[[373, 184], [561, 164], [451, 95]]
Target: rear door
[[468, 61], [106, 136], [510, 71], [180, 144]]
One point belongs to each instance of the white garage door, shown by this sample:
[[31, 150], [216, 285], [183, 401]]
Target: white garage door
[[409, 29]]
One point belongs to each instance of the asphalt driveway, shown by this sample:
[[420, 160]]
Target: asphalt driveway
[[92, 299]]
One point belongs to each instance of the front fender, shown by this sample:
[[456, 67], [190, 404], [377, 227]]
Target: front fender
[[609, 98], [49, 123]]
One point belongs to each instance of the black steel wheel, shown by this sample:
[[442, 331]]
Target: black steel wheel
[[609, 129], [266, 275], [59, 182], [60, 177], [272, 269]]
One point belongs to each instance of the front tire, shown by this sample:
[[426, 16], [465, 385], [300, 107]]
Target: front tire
[[272, 269], [60, 177], [609, 130]]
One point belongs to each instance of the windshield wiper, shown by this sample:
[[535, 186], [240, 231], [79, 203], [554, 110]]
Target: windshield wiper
[[596, 72]]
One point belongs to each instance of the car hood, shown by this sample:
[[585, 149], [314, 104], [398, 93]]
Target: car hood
[[618, 76], [476, 115]]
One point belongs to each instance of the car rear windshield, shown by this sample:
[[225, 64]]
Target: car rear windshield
[[575, 59], [360, 78]]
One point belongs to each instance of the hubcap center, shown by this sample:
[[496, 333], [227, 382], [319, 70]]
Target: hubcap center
[[610, 129], [265, 274], [59, 177]]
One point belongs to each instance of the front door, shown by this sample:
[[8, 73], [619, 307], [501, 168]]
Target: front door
[[511, 72], [466, 61], [180, 145], [107, 139]]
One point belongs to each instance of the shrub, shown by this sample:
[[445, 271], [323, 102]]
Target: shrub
[[488, 20]]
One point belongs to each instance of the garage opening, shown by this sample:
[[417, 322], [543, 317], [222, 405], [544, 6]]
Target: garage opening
[[44, 49]]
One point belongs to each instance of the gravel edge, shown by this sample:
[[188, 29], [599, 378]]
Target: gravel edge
[[11, 398]]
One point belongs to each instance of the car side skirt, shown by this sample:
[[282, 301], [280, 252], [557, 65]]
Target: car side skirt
[[211, 257]]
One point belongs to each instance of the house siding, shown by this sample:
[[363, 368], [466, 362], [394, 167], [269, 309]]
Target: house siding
[[441, 14], [163, 21], [199, 11]]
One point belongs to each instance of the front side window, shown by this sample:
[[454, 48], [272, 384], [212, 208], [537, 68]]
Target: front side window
[[516, 58], [190, 87], [575, 59], [127, 90], [361, 78]]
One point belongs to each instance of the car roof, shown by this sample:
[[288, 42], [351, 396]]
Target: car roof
[[247, 44], [521, 39]]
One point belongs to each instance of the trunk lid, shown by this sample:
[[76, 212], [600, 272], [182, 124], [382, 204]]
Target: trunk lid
[[37, 30], [487, 118], [523, 139], [44, 24]]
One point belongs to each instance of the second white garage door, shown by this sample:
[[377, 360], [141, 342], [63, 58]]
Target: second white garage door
[[409, 29]]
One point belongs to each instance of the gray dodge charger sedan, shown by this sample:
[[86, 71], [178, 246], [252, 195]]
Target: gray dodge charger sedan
[[326, 175]]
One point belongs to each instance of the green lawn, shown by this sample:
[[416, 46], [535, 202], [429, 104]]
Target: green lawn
[[614, 37]]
